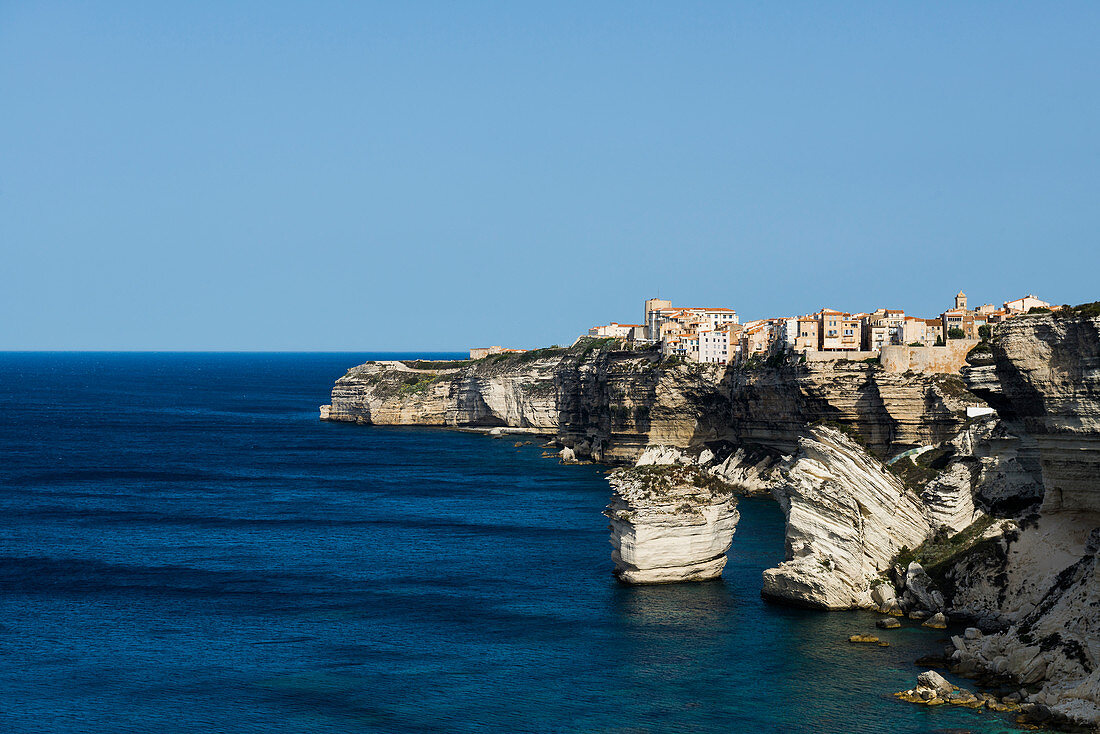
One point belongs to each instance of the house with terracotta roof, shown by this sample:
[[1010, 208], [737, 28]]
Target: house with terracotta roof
[[693, 331], [838, 331], [882, 327]]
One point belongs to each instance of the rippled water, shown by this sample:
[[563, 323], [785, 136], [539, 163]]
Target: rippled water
[[185, 547]]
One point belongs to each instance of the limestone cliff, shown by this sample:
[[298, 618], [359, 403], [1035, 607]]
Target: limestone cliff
[[996, 523], [669, 524], [847, 518], [1037, 580], [609, 403], [1045, 384]]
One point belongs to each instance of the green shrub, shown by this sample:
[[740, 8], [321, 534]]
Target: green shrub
[[940, 553], [417, 383], [1084, 310], [956, 333]]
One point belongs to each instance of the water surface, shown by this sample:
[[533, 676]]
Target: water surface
[[184, 546]]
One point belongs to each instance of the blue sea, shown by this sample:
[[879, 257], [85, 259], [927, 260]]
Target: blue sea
[[184, 547]]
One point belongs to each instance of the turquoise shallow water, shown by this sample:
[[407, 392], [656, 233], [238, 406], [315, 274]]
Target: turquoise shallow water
[[185, 547]]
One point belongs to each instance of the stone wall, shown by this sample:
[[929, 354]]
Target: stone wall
[[947, 359], [815, 356]]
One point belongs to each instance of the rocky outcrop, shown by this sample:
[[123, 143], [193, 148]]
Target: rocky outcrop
[[393, 393], [669, 524], [1032, 580], [749, 470], [1041, 581], [847, 518]]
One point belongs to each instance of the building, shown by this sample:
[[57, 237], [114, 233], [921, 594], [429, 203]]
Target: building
[[653, 309], [922, 332], [716, 346], [755, 339], [622, 331], [482, 352], [1025, 304], [961, 319], [662, 318], [882, 327], [786, 332], [701, 334], [838, 331], [808, 337]]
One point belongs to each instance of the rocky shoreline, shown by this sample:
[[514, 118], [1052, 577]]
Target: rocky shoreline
[[996, 522]]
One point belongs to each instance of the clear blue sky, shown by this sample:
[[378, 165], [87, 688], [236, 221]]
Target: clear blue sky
[[361, 176]]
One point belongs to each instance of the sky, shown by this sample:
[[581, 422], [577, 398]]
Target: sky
[[435, 176]]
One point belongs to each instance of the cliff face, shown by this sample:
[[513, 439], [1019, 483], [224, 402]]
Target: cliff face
[[1003, 513], [522, 395], [1045, 384], [1039, 576], [610, 404]]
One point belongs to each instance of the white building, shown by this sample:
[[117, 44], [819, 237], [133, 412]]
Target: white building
[[622, 331], [1025, 304], [716, 345]]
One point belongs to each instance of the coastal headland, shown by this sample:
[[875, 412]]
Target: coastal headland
[[966, 495]]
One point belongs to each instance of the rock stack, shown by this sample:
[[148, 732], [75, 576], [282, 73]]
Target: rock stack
[[669, 524]]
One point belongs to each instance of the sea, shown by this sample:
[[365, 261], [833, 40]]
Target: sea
[[185, 547]]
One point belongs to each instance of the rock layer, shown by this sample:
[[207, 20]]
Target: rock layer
[[610, 403]]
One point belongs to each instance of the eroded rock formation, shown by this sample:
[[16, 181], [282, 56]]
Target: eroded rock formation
[[847, 518], [669, 524]]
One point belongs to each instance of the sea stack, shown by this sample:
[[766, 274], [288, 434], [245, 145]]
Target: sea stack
[[670, 524]]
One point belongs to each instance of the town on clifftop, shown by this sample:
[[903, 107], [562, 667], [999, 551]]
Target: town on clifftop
[[714, 335]]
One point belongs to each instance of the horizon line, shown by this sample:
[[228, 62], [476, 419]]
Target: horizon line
[[232, 351]]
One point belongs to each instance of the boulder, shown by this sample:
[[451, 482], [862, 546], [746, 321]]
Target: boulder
[[934, 681], [921, 589], [888, 623], [937, 622]]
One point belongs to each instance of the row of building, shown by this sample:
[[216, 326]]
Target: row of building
[[715, 335]]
